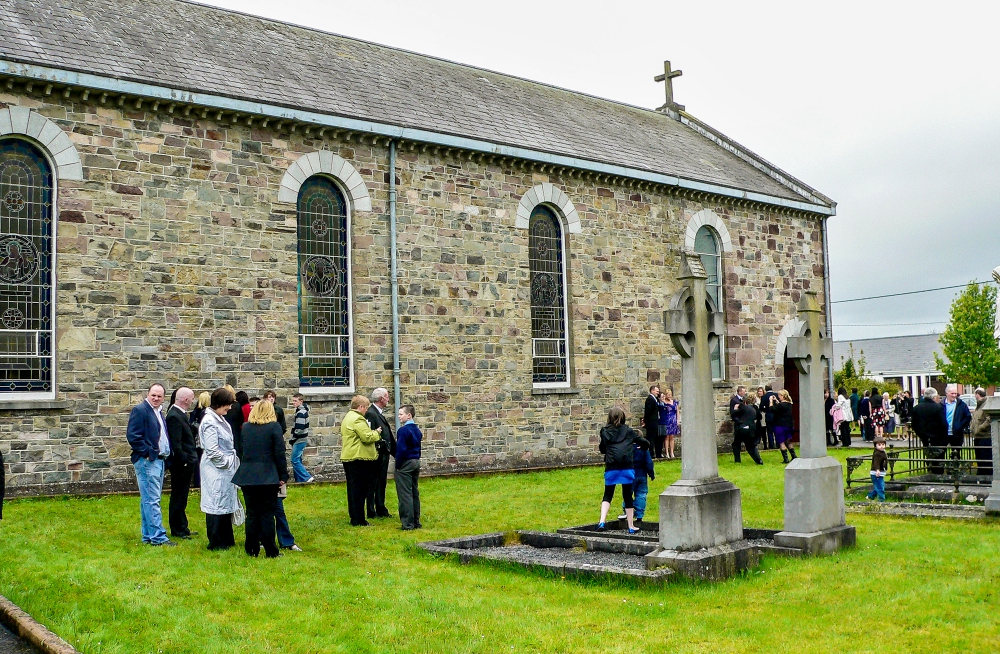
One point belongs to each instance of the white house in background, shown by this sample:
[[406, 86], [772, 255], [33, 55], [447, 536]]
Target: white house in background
[[905, 360]]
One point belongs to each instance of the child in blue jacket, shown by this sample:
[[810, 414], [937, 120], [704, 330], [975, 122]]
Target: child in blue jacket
[[642, 463]]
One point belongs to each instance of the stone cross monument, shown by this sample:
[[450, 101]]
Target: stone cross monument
[[701, 509], [814, 482]]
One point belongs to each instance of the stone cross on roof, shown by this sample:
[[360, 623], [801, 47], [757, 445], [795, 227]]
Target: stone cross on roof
[[668, 77]]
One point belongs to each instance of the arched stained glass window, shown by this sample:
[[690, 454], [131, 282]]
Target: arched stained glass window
[[325, 350], [706, 244], [26, 347], [549, 346]]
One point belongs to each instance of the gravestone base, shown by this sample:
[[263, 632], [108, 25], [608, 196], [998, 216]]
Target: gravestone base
[[700, 513], [827, 541], [992, 502], [711, 563], [814, 507]]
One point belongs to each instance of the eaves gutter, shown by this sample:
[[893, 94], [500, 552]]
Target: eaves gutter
[[102, 83]]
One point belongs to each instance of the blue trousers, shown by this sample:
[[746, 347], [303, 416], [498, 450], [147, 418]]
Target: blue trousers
[[149, 475], [878, 488], [301, 474], [640, 488], [285, 538]]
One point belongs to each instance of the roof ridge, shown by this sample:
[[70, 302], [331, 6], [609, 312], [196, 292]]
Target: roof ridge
[[423, 55]]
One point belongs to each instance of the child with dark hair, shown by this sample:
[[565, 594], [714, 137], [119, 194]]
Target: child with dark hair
[[617, 444], [880, 464], [642, 464]]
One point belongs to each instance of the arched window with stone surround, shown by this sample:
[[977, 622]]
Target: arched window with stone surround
[[324, 258], [27, 349], [706, 245], [547, 267]]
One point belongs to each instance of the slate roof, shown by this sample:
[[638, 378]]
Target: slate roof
[[895, 354], [186, 46]]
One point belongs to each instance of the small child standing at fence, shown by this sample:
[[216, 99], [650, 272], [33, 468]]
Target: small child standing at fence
[[880, 464]]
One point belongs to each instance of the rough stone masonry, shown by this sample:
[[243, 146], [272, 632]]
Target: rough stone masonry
[[177, 264]]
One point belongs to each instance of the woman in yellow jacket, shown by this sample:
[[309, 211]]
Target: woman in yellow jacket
[[358, 454]]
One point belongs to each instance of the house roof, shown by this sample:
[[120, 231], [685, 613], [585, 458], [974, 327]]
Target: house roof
[[200, 49], [894, 354]]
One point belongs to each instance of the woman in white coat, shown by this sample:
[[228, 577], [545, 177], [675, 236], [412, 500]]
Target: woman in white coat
[[218, 465], [846, 417]]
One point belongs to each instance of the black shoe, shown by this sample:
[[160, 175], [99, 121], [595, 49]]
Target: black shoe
[[407, 528], [419, 526], [384, 515], [182, 536], [168, 543]]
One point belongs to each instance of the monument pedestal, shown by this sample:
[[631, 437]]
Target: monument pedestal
[[700, 513], [814, 507]]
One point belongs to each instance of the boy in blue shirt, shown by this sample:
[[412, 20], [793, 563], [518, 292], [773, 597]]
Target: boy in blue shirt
[[642, 463], [408, 469]]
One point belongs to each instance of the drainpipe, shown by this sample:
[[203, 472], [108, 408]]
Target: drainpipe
[[826, 296], [394, 281]]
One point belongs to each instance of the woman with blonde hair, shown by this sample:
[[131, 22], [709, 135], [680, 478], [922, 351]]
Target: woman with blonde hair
[[784, 424], [263, 471], [358, 454]]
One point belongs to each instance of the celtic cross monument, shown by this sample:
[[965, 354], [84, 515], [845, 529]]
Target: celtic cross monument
[[701, 509], [814, 482]]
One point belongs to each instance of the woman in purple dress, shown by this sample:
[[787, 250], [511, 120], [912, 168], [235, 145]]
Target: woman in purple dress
[[668, 421]]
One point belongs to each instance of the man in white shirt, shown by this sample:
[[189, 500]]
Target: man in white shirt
[[147, 434]]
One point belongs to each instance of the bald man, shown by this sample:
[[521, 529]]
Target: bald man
[[182, 462]]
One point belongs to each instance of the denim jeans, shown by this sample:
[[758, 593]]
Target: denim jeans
[[878, 488], [640, 487], [149, 475], [285, 538], [301, 474]]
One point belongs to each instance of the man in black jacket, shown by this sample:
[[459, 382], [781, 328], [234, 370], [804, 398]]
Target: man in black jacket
[[931, 427], [765, 407], [651, 420], [386, 447], [182, 461], [736, 400]]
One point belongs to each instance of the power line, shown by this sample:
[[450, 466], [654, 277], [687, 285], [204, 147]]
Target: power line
[[893, 324], [926, 290]]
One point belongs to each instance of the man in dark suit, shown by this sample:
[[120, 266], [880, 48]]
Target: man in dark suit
[[929, 423], [182, 462], [735, 401], [386, 447], [651, 420], [769, 398], [147, 434]]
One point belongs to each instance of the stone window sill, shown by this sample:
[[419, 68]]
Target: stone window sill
[[32, 405], [328, 397], [555, 391], [722, 383]]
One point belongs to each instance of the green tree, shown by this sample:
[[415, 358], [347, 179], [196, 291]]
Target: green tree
[[854, 375], [968, 341]]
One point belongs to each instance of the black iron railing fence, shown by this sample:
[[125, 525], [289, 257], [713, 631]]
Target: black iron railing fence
[[911, 463]]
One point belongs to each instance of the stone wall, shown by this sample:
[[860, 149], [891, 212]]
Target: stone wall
[[177, 263]]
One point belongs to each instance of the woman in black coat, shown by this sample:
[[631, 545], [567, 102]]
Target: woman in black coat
[[262, 473], [617, 445]]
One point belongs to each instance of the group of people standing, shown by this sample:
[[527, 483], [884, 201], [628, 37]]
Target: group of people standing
[[225, 440], [367, 443], [659, 421], [233, 448], [764, 417]]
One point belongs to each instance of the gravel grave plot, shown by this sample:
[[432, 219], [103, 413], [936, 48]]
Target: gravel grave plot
[[529, 555]]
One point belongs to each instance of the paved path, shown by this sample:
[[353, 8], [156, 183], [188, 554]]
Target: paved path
[[11, 644]]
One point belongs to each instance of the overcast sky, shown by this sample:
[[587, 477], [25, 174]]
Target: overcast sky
[[891, 109]]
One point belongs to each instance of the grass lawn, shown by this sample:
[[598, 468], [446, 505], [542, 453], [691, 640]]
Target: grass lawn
[[911, 585]]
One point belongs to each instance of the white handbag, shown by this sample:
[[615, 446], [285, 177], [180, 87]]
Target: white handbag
[[240, 514]]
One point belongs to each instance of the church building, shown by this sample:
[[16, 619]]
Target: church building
[[197, 197]]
